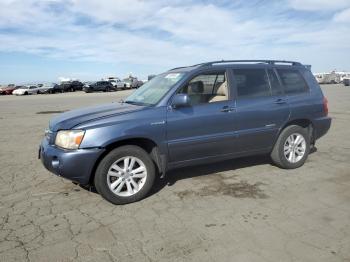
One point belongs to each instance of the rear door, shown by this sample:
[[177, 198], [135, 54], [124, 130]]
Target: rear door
[[300, 100], [262, 108]]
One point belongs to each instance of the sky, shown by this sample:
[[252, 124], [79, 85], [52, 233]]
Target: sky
[[44, 40]]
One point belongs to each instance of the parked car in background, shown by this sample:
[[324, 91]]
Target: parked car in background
[[8, 90], [132, 82], [71, 86], [328, 78], [27, 90], [104, 86], [49, 88], [117, 83], [87, 84], [139, 83], [129, 83], [77, 85], [346, 81], [187, 116], [343, 75]]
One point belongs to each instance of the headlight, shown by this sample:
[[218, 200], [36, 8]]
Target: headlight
[[69, 139]]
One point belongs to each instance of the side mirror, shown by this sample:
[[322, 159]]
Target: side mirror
[[181, 100]]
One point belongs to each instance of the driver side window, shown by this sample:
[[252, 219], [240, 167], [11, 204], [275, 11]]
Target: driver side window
[[207, 88]]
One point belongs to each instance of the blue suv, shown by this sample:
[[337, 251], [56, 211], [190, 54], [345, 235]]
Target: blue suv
[[187, 116]]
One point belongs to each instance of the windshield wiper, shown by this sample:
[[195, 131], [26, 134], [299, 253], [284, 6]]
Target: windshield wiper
[[137, 103]]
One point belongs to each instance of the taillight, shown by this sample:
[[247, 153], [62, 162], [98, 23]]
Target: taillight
[[325, 106]]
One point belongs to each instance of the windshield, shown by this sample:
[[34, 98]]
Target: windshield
[[152, 92]]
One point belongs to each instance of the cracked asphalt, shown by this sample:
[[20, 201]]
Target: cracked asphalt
[[237, 210]]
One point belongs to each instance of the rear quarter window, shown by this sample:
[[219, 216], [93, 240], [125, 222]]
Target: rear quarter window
[[292, 81]]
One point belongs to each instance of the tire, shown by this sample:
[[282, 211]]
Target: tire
[[278, 153], [26, 93], [102, 179]]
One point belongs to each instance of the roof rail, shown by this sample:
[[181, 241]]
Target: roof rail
[[271, 62], [200, 64], [177, 68]]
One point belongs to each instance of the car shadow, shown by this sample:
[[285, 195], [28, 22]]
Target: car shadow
[[175, 175]]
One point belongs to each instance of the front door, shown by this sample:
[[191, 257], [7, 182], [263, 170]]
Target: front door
[[206, 128]]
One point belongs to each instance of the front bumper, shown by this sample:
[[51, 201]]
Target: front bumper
[[76, 165], [321, 126]]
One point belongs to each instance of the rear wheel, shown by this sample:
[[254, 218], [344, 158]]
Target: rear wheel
[[292, 147], [125, 175]]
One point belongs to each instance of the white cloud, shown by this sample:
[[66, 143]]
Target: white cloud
[[343, 16], [318, 5], [169, 33]]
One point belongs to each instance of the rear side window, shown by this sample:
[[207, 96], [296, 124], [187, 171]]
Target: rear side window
[[292, 81], [251, 83]]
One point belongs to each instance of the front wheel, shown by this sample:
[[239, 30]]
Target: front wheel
[[292, 147], [125, 175]]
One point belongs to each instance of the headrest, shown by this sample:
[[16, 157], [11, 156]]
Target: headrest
[[196, 87], [222, 90]]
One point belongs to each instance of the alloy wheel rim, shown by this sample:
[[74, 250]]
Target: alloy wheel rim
[[126, 176], [294, 148]]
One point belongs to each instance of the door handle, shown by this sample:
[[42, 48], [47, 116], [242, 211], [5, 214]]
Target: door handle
[[227, 109], [280, 101]]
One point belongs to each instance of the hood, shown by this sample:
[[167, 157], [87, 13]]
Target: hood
[[79, 116]]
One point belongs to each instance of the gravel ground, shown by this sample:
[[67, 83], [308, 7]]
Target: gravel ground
[[238, 210]]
